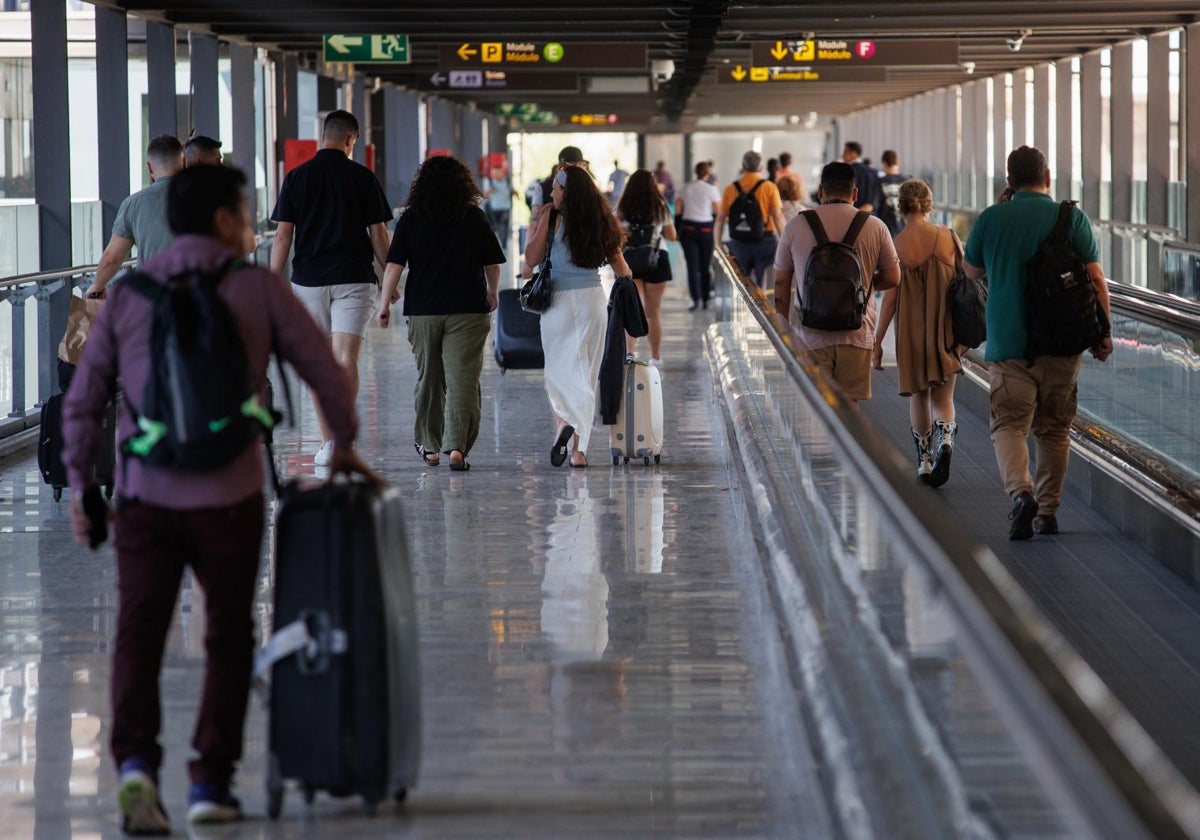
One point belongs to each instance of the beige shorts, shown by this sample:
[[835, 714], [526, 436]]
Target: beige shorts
[[847, 365], [344, 308]]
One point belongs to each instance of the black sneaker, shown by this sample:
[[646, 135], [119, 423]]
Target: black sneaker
[[1047, 524], [1024, 509]]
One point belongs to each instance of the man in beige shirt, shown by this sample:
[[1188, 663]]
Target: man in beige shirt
[[845, 355]]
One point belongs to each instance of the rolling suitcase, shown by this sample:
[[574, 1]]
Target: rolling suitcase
[[638, 432], [50, 447], [344, 692], [518, 335]]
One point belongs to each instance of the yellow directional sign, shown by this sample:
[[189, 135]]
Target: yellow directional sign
[[805, 75], [547, 55], [911, 52]]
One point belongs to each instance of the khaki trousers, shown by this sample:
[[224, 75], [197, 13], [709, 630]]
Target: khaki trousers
[[449, 354], [1042, 398]]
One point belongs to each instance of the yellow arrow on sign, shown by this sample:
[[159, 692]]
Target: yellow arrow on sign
[[465, 52], [738, 73], [779, 50]]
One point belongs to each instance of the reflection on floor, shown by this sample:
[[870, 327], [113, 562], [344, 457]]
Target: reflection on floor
[[594, 643]]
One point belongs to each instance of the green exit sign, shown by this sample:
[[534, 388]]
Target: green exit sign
[[367, 49], [516, 109]]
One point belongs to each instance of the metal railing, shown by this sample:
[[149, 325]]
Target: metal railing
[[1139, 253], [30, 350], [840, 508], [28, 355]]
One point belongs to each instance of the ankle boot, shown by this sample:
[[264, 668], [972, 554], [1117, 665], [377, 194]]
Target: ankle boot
[[924, 455], [943, 435]]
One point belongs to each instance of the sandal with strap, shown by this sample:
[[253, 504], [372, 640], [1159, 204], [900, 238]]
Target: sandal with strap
[[461, 465], [559, 452], [429, 456]]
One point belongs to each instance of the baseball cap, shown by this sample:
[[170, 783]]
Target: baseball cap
[[570, 154]]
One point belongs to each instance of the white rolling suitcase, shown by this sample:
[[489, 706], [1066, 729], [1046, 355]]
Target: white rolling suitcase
[[638, 432]]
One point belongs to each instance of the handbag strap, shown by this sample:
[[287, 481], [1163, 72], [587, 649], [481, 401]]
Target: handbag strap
[[958, 252], [546, 265]]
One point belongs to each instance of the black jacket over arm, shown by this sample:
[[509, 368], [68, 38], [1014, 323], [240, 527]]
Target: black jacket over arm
[[625, 315]]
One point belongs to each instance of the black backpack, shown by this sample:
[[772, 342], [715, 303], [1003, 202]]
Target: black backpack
[[200, 408], [835, 293], [967, 301], [746, 223], [1063, 316]]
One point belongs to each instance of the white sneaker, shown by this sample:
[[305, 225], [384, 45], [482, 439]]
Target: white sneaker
[[324, 454], [656, 362]]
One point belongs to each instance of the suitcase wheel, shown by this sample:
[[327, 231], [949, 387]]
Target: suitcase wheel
[[274, 789], [275, 802], [658, 459], [616, 460], [58, 494], [646, 460], [626, 459]]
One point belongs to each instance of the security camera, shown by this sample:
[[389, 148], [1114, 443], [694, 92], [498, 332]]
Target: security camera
[[1017, 41], [969, 67], [662, 69]]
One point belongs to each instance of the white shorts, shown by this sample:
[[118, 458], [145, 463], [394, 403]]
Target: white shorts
[[344, 308]]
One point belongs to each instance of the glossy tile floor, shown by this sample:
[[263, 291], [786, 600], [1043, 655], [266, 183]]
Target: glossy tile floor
[[597, 652]]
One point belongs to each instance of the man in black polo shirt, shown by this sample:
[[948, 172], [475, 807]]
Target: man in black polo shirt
[[336, 212]]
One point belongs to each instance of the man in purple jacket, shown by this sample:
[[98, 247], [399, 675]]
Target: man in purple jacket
[[211, 520]]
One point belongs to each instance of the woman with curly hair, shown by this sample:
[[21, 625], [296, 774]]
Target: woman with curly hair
[[582, 235], [453, 261], [644, 214]]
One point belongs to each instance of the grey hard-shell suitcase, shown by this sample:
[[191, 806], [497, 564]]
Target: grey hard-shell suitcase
[[638, 432], [344, 691]]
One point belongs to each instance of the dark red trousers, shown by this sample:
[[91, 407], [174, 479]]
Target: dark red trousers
[[153, 545]]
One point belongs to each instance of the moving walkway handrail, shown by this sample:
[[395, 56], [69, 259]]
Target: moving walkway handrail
[[1041, 679]]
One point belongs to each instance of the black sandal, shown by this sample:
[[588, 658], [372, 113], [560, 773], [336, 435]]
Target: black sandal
[[461, 466], [429, 456], [559, 452]]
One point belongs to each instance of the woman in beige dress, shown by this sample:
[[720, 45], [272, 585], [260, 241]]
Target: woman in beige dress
[[927, 360]]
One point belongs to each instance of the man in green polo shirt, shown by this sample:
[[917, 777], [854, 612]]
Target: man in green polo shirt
[[1040, 396]]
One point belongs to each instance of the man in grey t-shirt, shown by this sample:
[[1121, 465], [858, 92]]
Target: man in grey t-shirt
[[142, 217]]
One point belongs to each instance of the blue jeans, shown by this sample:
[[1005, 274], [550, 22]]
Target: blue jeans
[[755, 258]]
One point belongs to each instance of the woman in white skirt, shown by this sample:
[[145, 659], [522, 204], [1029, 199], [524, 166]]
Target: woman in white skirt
[[585, 236]]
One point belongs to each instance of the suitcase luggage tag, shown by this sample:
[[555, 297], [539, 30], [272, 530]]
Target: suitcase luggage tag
[[311, 638]]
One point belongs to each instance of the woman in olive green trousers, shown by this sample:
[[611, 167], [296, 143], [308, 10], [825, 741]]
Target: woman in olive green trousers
[[453, 261]]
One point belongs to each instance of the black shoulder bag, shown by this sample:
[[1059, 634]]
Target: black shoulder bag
[[538, 290]]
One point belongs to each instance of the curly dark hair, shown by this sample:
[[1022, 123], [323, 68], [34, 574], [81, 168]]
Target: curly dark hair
[[590, 229], [443, 190], [641, 201]]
